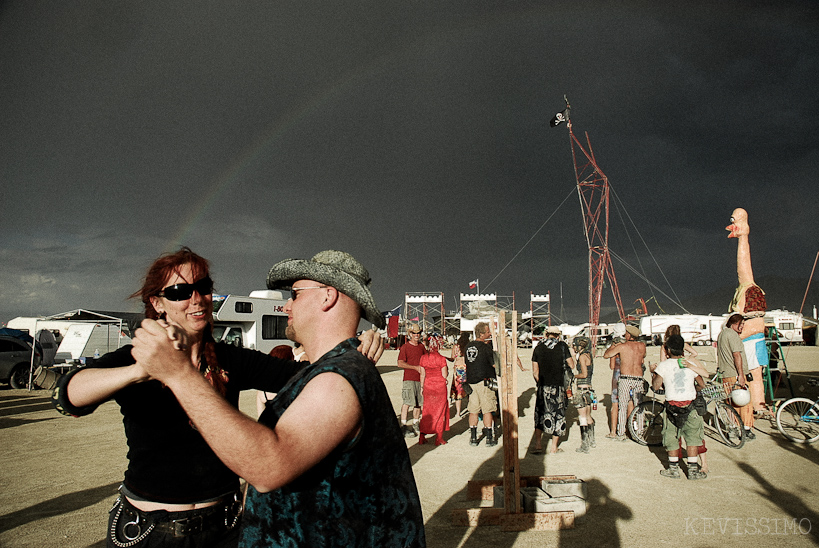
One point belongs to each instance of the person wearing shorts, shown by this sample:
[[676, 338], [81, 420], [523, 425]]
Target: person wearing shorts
[[757, 353], [480, 370], [680, 419], [630, 388], [409, 359]]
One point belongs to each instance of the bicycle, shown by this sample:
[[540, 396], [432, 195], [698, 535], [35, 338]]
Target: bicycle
[[798, 418], [726, 419], [645, 423]]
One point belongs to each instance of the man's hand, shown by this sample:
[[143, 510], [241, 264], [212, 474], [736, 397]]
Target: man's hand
[[612, 351], [372, 345], [158, 349], [738, 365]]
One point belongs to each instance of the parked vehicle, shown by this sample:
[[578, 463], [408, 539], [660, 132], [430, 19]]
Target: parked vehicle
[[788, 325], [89, 340], [694, 328], [257, 321], [15, 361]]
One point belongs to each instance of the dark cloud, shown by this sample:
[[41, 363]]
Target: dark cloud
[[413, 135]]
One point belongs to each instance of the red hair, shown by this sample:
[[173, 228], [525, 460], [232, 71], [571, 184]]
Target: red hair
[[162, 269], [283, 351], [671, 330]]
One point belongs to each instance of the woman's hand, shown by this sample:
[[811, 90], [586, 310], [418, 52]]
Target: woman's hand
[[158, 349], [372, 345]]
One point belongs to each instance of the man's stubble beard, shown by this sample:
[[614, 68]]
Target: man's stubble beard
[[290, 333]]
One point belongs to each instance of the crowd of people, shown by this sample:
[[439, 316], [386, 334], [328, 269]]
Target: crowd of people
[[326, 463], [563, 372]]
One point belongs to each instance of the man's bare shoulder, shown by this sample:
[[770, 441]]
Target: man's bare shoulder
[[331, 389], [638, 346]]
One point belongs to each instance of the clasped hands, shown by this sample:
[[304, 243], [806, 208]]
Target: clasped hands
[[161, 349]]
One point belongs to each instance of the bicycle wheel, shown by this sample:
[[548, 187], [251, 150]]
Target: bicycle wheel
[[729, 425], [645, 423], [798, 420]]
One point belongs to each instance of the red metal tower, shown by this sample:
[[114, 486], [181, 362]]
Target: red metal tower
[[593, 192]]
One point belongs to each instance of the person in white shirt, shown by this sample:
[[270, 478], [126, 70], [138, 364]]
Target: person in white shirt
[[679, 374]]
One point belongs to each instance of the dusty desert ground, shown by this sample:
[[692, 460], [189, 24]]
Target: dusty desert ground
[[59, 477]]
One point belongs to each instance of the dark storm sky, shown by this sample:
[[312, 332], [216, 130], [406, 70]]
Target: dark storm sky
[[414, 135]]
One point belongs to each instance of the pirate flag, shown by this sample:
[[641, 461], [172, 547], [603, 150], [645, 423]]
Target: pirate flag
[[560, 117]]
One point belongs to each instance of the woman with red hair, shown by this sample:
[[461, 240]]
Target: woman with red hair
[[173, 478], [176, 491]]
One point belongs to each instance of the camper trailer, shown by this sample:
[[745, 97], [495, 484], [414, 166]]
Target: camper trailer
[[695, 329], [605, 332], [788, 325], [29, 324], [89, 340], [257, 321]]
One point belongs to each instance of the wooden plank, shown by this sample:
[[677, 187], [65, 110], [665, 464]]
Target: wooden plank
[[471, 517], [536, 481], [484, 489], [541, 521]]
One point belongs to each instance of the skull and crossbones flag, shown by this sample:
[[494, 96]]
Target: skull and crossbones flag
[[561, 117]]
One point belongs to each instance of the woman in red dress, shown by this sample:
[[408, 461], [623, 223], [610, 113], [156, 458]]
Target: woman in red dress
[[435, 413]]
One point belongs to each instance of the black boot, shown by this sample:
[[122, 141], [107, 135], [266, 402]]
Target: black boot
[[489, 434], [590, 430], [473, 440], [584, 440]]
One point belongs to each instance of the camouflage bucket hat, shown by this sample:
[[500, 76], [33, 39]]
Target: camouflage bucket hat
[[334, 268]]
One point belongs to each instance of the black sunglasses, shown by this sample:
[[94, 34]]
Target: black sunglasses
[[183, 292]]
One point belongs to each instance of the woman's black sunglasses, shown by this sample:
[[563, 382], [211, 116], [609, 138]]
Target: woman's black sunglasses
[[183, 292]]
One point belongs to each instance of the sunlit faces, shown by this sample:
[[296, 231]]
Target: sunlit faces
[[193, 315], [301, 302]]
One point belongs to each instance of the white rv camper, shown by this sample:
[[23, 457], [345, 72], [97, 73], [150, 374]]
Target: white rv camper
[[257, 321], [788, 325], [694, 328]]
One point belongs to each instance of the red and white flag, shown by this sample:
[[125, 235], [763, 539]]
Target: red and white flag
[[473, 285]]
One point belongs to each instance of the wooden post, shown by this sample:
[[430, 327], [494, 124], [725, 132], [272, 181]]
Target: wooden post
[[509, 401], [511, 517]]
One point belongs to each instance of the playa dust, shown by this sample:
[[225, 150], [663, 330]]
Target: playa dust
[[59, 476]]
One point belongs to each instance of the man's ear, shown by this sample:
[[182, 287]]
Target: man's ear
[[330, 299]]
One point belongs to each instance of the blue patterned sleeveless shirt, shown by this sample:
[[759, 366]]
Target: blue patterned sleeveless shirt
[[361, 494]]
